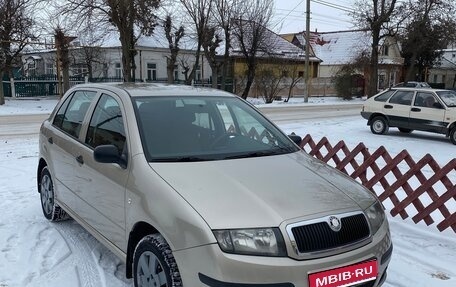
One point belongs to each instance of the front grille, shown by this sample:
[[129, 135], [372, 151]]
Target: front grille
[[319, 236]]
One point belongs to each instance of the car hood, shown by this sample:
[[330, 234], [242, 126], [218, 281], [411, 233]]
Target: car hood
[[263, 191]]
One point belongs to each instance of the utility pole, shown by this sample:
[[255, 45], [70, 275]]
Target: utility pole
[[307, 79]]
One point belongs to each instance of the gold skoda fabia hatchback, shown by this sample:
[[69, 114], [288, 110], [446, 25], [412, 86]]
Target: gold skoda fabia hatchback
[[195, 187]]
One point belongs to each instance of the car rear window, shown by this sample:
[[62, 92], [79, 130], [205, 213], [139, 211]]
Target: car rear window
[[384, 96]]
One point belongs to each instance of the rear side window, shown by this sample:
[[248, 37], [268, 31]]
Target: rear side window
[[71, 114], [402, 98], [384, 97], [106, 126]]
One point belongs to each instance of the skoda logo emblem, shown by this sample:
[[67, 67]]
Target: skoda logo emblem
[[334, 223]]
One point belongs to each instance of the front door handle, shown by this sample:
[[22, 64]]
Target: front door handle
[[416, 110], [388, 106], [80, 159], [50, 140]]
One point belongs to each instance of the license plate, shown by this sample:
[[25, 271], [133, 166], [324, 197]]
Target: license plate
[[345, 276]]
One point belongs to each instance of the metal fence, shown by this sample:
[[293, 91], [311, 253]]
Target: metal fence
[[48, 85]]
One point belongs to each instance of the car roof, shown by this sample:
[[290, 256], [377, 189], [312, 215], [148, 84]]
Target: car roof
[[140, 89], [417, 89]]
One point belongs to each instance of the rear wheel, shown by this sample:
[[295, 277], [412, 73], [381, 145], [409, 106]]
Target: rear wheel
[[453, 135], [405, 131], [379, 125], [51, 210]]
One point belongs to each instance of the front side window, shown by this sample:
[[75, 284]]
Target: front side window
[[402, 98], [425, 100], [106, 126], [70, 116], [205, 128]]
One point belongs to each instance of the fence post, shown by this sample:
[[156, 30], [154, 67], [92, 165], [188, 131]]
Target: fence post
[[13, 88]]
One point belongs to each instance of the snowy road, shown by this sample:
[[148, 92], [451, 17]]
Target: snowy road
[[35, 252]]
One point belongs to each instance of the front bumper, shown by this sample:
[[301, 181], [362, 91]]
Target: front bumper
[[208, 266]]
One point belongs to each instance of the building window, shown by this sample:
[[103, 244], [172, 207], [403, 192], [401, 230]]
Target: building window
[[31, 68], [50, 69], [301, 74], [151, 72], [385, 50], [443, 78], [176, 72], [118, 70], [198, 73], [79, 70]]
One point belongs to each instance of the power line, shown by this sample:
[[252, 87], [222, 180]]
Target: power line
[[334, 6], [291, 11]]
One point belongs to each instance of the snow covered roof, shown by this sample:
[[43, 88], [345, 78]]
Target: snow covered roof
[[276, 47], [336, 48]]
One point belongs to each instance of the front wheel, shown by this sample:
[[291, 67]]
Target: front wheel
[[453, 135], [379, 125], [51, 210], [154, 263]]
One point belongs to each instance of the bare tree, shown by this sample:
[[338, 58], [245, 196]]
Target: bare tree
[[199, 12], [377, 16], [252, 36], [211, 42], [225, 13], [293, 73], [16, 23], [430, 29], [173, 38], [130, 18], [269, 81]]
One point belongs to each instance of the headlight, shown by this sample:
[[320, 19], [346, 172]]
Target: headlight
[[261, 241], [376, 215]]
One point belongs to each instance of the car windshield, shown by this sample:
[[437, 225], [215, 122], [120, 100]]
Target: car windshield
[[448, 97], [184, 129]]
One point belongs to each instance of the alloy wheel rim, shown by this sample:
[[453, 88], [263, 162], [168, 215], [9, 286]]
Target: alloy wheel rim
[[47, 195], [150, 272]]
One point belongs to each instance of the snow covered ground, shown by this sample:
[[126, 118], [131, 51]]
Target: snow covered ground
[[35, 252]]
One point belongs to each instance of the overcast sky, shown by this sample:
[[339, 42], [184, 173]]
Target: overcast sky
[[290, 16]]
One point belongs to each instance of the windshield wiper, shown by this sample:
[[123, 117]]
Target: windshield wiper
[[275, 151], [181, 159]]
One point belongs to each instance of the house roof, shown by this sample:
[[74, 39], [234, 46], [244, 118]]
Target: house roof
[[278, 47], [336, 48]]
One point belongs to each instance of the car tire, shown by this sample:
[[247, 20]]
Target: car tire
[[379, 125], [153, 250], [405, 131], [453, 135], [51, 210]]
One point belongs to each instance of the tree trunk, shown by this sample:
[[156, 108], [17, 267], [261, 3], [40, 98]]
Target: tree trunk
[[126, 55], [372, 90], [170, 70], [191, 77], [2, 95], [215, 76], [226, 59], [250, 79]]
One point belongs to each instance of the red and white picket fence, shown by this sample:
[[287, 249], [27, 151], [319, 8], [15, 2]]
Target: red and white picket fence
[[421, 189]]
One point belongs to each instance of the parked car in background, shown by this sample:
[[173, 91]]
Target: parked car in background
[[412, 84], [182, 184], [411, 109]]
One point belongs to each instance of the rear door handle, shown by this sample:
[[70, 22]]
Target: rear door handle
[[50, 140], [388, 106], [416, 110], [80, 159]]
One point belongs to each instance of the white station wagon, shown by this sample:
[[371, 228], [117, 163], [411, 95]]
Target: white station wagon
[[412, 109]]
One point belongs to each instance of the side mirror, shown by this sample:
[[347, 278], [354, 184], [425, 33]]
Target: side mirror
[[109, 154], [295, 138]]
